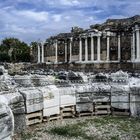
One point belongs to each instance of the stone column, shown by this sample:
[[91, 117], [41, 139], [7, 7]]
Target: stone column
[[133, 48], [119, 48], [108, 47], [80, 49], [86, 49], [38, 53], [98, 48], [65, 52], [138, 43], [56, 51], [92, 48], [42, 45], [70, 49]]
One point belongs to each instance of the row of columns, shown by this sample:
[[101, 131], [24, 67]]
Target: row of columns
[[92, 49], [86, 49], [136, 37], [98, 48]]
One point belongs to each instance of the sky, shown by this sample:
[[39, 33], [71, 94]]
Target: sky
[[31, 20]]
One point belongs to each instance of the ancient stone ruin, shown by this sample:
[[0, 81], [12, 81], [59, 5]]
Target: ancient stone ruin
[[102, 45]]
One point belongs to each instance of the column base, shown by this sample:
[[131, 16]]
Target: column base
[[136, 61], [96, 62]]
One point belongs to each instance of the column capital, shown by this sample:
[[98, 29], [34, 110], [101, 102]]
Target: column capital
[[99, 34], [137, 29], [92, 36], [43, 42], [108, 33], [71, 38], [84, 37], [133, 32], [38, 46], [119, 35], [55, 41]]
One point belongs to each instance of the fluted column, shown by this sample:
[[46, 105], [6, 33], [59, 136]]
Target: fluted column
[[86, 49], [42, 45], [65, 52], [133, 48], [108, 47], [38, 53], [70, 49], [119, 47], [92, 48], [138, 43], [56, 51], [80, 49], [98, 48]]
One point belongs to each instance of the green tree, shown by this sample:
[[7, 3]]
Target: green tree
[[15, 50]]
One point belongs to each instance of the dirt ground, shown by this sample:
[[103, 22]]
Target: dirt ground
[[85, 128]]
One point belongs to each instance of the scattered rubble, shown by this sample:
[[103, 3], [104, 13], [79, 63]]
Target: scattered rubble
[[31, 94]]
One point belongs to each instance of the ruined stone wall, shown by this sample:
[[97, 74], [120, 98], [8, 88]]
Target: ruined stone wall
[[50, 59], [125, 47], [49, 50], [103, 67], [75, 57], [113, 48]]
